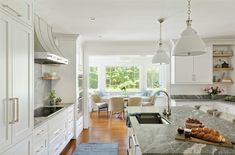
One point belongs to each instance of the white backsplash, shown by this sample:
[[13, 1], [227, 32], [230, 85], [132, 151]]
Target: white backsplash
[[41, 87]]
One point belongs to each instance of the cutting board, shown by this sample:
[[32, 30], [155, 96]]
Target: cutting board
[[227, 142]]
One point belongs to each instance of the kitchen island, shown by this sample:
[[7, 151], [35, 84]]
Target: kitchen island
[[160, 138]]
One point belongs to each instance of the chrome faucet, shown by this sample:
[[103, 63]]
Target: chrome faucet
[[167, 111]]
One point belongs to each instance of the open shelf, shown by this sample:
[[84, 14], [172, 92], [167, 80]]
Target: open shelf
[[223, 55], [51, 78], [222, 82], [222, 69]]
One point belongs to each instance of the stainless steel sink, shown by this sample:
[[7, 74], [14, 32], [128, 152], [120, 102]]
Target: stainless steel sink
[[151, 118], [46, 111]]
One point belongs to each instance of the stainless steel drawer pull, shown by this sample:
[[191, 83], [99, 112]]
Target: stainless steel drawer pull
[[57, 148], [40, 149], [39, 133], [8, 7], [57, 131], [17, 110], [134, 141], [13, 110]]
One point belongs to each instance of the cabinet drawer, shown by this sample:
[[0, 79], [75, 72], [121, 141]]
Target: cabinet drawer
[[70, 117], [57, 125], [20, 9], [70, 113], [22, 148], [56, 131], [57, 145], [40, 148], [39, 133], [79, 126]]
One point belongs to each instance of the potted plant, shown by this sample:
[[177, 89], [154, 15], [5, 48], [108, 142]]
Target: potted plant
[[123, 88], [52, 97], [213, 91], [58, 100]]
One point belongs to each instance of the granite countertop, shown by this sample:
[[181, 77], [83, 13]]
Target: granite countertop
[[39, 120], [160, 138]]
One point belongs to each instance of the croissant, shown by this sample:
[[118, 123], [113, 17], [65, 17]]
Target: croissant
[[207, 134]]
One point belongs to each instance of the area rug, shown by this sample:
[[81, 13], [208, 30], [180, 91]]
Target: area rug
[[96, 149]]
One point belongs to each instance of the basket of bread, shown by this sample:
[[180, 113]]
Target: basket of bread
[[193, 123]]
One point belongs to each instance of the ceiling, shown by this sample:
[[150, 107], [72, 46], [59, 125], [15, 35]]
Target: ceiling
[[136, 20]]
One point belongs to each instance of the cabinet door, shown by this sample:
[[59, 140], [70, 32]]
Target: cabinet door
[[22, 148], [21, 10], [203, 67], [183, 70], [21, 51], [5, 132]]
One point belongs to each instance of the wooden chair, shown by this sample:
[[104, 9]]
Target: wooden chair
[[101, 105], [116, 105], [134, 101], [151, 101]]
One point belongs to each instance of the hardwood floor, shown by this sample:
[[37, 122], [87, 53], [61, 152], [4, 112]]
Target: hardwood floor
[[102, 130]]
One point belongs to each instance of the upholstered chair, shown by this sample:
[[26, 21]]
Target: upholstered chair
[[101, 105], [116, 105], [134, 101]]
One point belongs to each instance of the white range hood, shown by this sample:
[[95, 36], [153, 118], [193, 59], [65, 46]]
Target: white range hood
[[45, 48]]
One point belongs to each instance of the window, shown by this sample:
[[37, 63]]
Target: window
[[118, 77], [93, 77], [153, 77]]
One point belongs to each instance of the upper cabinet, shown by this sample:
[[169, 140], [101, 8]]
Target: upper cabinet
[[21, 10], [16, 80], [192, 69]]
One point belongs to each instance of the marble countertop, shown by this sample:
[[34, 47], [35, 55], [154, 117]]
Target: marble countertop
[[202, 100], [40, 120], [160, 138]]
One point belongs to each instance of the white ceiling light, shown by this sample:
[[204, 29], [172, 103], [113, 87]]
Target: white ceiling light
[[190, 44], [161, 57]]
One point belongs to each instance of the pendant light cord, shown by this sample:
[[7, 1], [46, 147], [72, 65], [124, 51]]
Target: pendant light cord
[[189, 9], [189, 21], [160, 39]]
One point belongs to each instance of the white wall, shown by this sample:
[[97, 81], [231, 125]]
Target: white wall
[[143, 49], [66, 86]]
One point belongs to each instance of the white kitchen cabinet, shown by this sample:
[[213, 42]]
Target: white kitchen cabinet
[[5, 127], [192, 69], [22, 148], [20, 10], [40, 140], [16, 121], [133, 146], [70, 123], [21, 62]]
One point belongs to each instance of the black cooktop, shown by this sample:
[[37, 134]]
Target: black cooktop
[[45, 111]]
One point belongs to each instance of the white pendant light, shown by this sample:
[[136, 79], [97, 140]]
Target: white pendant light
[[161, 57], [190, 44]]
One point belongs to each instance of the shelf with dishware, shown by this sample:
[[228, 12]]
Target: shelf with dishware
[[222, 64]]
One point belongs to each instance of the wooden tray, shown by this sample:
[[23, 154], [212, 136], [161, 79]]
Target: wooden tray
[[227, 142]]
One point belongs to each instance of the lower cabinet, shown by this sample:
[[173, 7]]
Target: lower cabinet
[[79, 126], [133, 145], [40, 140], [22, 148], [51, 137]]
